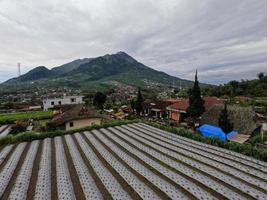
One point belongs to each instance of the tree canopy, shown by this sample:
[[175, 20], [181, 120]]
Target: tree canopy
[[224, 121], [139, 102], [99, 100]]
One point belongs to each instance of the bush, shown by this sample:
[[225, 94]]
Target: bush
[[30, 136], [246, 149]]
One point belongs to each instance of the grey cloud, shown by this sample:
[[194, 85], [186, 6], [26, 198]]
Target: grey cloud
[[175, 36]]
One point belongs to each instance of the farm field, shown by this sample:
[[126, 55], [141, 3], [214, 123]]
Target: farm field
[[4, 130], [12, 117], [134, 161]]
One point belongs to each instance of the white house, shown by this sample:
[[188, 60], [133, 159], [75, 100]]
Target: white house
[[65, 100]]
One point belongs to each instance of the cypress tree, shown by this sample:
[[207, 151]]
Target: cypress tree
[[139, 102], [196, 103], [224, 122]]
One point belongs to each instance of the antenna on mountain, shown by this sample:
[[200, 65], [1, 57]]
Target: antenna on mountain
[[180, 88], [19, 73]]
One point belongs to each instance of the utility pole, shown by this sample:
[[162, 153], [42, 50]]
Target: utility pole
[[19, 72]]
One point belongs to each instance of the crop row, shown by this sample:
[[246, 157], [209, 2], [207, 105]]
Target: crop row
[[127, 162]]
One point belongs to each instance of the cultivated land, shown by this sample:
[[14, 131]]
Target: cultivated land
[[12, 117], [134, 161]]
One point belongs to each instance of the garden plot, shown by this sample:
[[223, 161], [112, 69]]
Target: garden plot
[[43, 185], [163, 185], [111, 184], [180, 180], [64, 184], [144, 191], [4, 153], [185, 154], [19, 190], [220, 162], [8, 170], [231, 155], [201, 167], [87, 182]]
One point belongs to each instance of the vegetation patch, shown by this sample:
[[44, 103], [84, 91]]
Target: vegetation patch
[[30, 136], [12, 117], [246, 149]]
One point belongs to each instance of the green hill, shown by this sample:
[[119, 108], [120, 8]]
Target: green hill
[[96, 72]]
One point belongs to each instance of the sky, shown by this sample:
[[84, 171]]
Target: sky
[[225, 40]]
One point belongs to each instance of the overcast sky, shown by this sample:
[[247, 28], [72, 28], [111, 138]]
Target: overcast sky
[[224, 39]]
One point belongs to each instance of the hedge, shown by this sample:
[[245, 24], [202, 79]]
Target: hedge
[[30, 136], [245, 149]]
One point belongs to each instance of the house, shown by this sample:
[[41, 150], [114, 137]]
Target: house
[[177, 111], [65, 100], [75, 116], [156, 109]]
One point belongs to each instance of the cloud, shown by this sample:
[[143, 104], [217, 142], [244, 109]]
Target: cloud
[[225, 40]]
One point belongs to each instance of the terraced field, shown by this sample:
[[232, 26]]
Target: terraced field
[[134, 161]]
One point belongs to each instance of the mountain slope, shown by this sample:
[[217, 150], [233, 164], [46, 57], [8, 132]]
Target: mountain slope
[[68, 67], [92, 71]]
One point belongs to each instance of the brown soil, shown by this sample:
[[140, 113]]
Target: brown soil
[[54, 195], [7, 157], [202, 172], [133, 194], [16, 172], [159, 193], [78, 191], [106, 195], [34, 175], [191, 196]]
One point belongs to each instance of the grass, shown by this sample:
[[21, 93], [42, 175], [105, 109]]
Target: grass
[[12, 117]]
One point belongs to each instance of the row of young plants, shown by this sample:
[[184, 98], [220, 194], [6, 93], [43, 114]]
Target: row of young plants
[[245, 149], [30, 136]]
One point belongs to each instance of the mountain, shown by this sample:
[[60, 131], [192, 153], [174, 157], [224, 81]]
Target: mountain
[[37, 73], [90, 72], [70, 66]]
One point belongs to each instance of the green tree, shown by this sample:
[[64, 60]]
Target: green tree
[[99, 100], [224, 121], [261, 75], [139, 102], [133, 104], [196, 103]]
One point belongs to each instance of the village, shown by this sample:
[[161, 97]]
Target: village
[[72, 111]]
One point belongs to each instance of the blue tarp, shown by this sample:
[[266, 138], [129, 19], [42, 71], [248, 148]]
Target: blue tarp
[[213, 131]]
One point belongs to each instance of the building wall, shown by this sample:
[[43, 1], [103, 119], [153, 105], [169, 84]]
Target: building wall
[[175, 115], [82, 123], [50, 103]]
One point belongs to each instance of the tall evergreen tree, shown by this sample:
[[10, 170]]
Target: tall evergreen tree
[[224, 122], [196, 103], [99, 100], [139, 101]]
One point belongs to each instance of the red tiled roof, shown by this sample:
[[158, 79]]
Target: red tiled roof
[[209, 102]]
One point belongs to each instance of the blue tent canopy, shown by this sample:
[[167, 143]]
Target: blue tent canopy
[[213, 131]]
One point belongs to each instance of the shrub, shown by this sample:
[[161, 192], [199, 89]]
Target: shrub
[[246, 149], [30, 136]]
